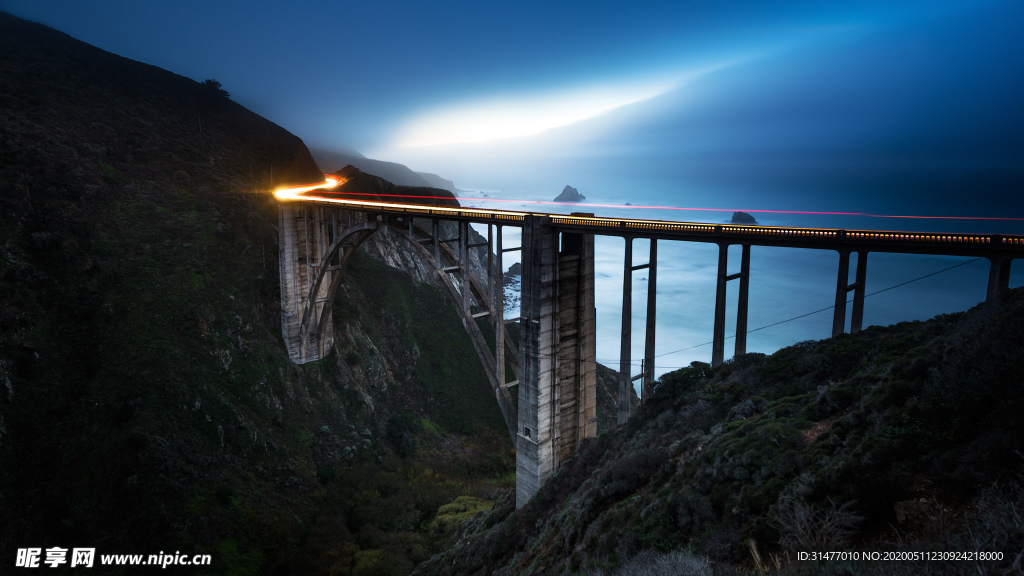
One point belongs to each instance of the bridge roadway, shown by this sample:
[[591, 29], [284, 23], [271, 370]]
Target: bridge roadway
[[556, 352], [938, 243]]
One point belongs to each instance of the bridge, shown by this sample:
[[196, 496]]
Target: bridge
[[553, 362]]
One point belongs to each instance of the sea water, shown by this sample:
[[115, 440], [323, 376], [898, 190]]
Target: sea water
[[791, 290]]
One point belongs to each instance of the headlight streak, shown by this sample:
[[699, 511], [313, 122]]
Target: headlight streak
[[332, 182]]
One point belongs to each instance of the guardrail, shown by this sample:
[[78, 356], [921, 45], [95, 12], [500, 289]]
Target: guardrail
[[618, 226]]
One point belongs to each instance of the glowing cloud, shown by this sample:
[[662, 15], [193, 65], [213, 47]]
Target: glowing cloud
[[503, 118]]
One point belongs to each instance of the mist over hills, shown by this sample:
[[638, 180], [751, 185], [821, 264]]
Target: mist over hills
[[391, 171]]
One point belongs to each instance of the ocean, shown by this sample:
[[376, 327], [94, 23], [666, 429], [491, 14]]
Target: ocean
[[791, 290]]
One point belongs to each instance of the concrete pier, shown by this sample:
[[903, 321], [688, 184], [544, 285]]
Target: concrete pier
[[843, 288], [626, 334], [998, 276], [649, 336], [718, 336], [303, 242], [557, 377]]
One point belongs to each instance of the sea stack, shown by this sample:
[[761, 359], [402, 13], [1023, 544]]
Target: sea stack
[[570, 194], [742, 218]]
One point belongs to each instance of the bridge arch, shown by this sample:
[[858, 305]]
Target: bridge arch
[[316, 245]]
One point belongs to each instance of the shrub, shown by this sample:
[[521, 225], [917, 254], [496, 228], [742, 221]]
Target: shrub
[[806, 527], [633, 471], [653, 563]]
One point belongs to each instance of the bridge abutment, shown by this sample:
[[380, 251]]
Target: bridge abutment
[[304, 237]]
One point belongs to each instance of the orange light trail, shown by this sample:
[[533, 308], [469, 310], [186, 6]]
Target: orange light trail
[[331, 182]]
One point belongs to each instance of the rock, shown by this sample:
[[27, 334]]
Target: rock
[[570, 194], [742, 218], [516, 269]]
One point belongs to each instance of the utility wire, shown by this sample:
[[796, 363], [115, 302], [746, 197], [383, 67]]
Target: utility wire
[[789, 319], [827, 308]]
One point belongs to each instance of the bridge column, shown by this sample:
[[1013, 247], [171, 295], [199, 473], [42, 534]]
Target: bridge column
[[652, 288], [857, 319], [557, 406], [498, 305], [718, 337], [625, 335], [998, 276], [842, 287], [742, 305], [304, 237], [575, 398]]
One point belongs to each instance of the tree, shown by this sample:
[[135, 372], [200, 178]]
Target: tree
[[213, 87]]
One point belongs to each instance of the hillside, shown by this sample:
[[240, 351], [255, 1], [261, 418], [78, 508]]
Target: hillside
[[391, 171], [147, 400], [900, 439], [147, 403]]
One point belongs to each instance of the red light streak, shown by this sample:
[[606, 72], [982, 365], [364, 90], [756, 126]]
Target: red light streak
[[334, 182]]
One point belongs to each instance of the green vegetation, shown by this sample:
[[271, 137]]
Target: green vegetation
[[146, 399], [898, 438]]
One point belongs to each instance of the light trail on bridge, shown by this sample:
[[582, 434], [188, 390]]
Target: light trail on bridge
[[332, 182]]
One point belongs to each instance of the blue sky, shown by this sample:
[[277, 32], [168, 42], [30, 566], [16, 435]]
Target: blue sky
[[808, 86], [864, 106], [860, 106]]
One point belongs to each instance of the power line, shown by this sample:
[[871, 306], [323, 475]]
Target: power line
[[610, 360], [828, 307]]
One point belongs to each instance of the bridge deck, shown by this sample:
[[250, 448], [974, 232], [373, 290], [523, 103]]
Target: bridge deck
[[951, 244]]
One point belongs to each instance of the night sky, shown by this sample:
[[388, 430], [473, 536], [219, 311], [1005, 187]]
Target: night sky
[[858, 106], [910, 108]]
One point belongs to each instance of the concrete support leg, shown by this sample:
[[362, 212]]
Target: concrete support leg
[[842, 286], [435, 225], [718, 338], [292, 298], [625, 336], [557, 393], [464, 266], [576, 414], [742, 306], [304, 237], [857, 317], [534, 453], [490, 273], [998, 277], [649, 336], [499, 307]]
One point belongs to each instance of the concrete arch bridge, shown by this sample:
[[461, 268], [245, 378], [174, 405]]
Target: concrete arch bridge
[[553, 362]]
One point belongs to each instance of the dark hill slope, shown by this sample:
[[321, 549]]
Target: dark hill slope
[[146, 400], [900, 438], [364, 186]]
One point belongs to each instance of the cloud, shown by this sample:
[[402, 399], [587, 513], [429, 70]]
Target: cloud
[[501, 118]]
